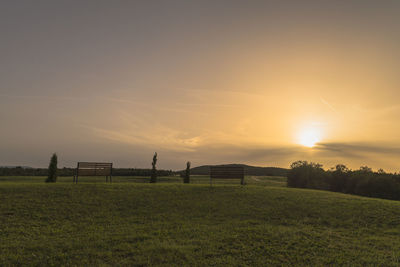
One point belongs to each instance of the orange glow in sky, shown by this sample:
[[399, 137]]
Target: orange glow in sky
[[203, 81]]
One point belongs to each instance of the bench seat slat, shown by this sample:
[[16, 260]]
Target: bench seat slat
[[94, 169]]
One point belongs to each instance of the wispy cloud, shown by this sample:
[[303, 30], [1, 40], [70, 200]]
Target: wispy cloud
[[224, 92], [143, 103], [328, 105], [208, 105], [54, 97], [159, 137], [357, 149]]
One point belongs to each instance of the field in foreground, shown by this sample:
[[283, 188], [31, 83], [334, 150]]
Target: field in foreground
[[132, 223]]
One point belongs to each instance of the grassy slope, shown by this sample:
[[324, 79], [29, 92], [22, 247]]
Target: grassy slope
[[169, 223]]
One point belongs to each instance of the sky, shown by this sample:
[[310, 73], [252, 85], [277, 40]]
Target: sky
[[257, 82]]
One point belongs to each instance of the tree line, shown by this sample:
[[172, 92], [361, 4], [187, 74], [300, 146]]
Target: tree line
[[23, 171], [26, 171], [363, 182], [52, 172]]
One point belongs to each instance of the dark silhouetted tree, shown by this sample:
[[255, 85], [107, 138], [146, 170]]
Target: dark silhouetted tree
[[186, 179], [338, 179], [305, 174], [362, 182], [153, 178], [381, 171], [52, 171], [365, 169]]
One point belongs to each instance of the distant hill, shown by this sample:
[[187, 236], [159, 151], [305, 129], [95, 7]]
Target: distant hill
[[11, 167], [249, 170]]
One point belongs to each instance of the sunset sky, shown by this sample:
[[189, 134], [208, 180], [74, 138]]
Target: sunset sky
[[256, 82]]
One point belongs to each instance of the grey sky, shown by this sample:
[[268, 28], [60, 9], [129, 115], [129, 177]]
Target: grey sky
[[206, 81]]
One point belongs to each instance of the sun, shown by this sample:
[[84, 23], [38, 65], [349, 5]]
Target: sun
[[309, 137]]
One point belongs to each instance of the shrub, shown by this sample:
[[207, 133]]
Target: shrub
[[307, 175], [338, 178], [186, 180], [52, 171], [153, 178]]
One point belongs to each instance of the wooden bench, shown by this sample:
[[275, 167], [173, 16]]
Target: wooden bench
[[93, 169], [227, 172]]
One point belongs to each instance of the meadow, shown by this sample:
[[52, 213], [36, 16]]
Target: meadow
[[132, 222]]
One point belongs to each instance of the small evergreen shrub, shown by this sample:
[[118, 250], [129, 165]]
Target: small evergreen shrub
[[52, 171], [186, 179], [153, 178]]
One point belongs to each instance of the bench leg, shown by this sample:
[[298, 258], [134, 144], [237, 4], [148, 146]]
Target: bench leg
[[242, 181], [110, 179]]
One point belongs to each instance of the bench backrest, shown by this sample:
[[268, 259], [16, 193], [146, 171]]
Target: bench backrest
[[227, 172], [94, 169]]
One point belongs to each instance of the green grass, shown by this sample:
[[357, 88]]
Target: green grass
[[194, 179], [131, 222]]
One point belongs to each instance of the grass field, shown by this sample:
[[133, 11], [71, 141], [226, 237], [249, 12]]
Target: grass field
[[131, 222]]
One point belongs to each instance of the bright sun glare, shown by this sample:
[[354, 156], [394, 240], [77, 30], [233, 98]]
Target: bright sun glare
[[309, 137]]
